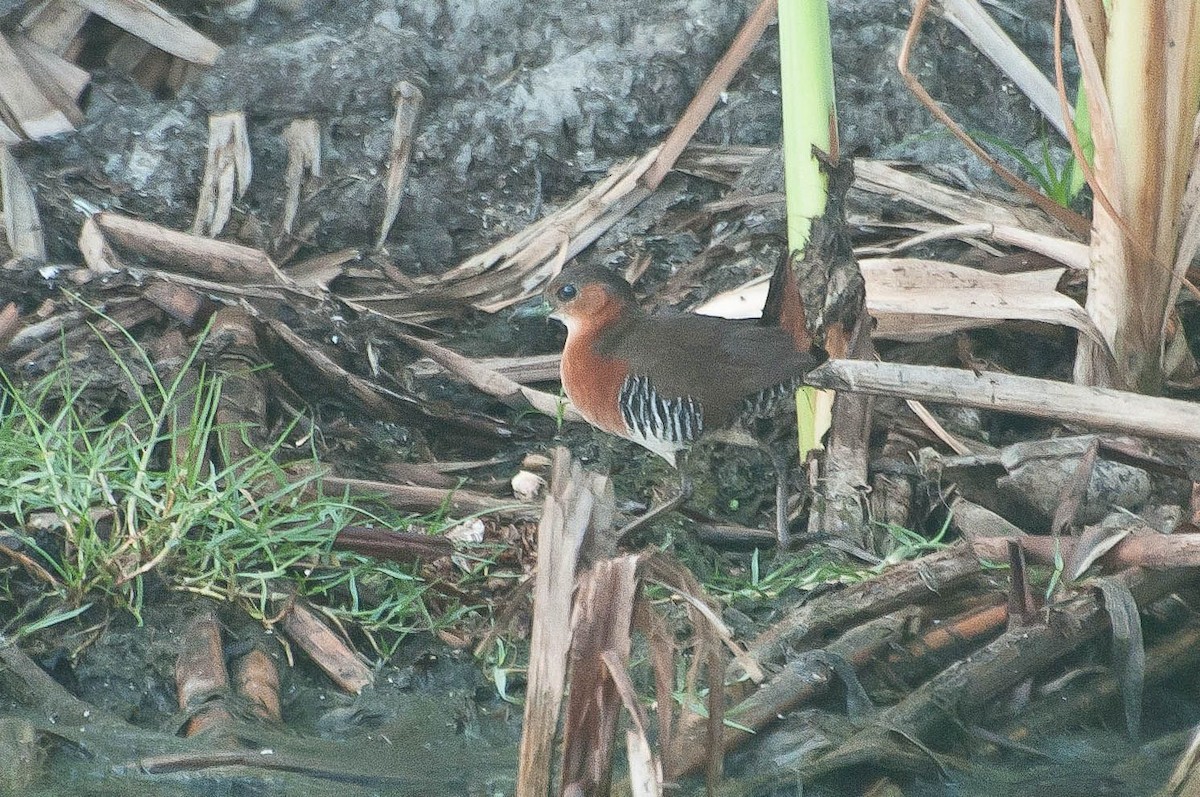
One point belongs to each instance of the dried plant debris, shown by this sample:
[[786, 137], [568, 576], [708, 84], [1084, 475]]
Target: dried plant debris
[[303, 139], [22, 224], [226, 170], [408, 106]]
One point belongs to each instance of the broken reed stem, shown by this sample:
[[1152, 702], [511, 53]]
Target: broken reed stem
[[228, 163], [1069, 219], [303, 139], [709, 93], [408, 106], [566, 516], [1097, 408]]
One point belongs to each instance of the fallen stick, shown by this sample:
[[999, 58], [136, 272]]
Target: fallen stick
[[1070, 705], [191, 254], [327, 650], [1150, 549], [962, 690], [1095, 407], [801, 681], [902, 585], [425, 499]]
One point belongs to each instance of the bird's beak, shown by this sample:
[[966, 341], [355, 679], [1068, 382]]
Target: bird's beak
[[534, 308]]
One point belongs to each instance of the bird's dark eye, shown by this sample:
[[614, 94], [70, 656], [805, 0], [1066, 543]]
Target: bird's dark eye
[[567, 292]]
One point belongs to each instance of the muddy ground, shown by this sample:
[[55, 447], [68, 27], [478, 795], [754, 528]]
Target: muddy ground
[[525, 103]]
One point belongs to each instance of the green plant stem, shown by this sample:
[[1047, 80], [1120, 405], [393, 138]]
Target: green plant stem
[[809, 118]]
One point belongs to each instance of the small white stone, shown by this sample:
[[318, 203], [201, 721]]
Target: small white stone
[[526, 485]]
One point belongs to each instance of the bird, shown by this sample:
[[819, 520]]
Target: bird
[[670, 380]]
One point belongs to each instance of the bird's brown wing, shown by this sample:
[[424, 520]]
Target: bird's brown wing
[[716, 361]]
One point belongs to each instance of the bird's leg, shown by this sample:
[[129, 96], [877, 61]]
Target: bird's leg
[[670, 505], [780, 462]]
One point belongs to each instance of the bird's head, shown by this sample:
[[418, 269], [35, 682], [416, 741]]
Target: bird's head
[[589, 295]]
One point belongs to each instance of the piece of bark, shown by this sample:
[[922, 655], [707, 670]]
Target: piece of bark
[[200, 675], [327, 650], [942, 643], [256, 678]]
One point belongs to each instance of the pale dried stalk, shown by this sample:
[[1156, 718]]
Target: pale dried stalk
[[990, 39], [1097, 408], [409, 100], [97, 254], [913, 299], [1069, 219], [494, 383], [22, 224], [69, 78], [517, 267], [899, 289], [24, 100], [54, 24], [710, 92], [154, 24], [1143, 105], [228, 162], [190, 254], [565, 520], [303, 139], [882, 177], [1072, 254]]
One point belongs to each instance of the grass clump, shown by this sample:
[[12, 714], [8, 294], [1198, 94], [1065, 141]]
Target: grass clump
[[104, 509]]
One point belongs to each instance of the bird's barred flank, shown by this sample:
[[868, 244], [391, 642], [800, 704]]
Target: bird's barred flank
[[767, 403], [673, 420]]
